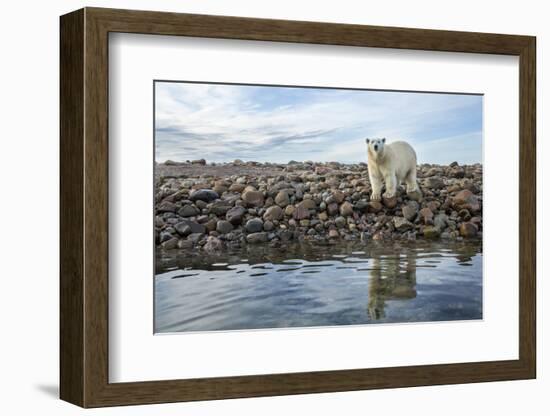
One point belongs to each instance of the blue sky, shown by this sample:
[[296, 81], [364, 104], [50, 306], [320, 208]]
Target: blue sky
[[276, 124]]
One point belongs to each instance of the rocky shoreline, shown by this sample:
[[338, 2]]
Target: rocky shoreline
[[211, 207]]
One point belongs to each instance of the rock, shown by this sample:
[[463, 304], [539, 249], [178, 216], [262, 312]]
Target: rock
[[464, 214], [274, 212], [224, 227], [282, 199], [402, 224], [235, 215], [440, 221], [362, 206], [346, 209], [336, 196], [206, 195], [431, 231], [333, 209], [268, 226], [289, 210], [426, 216], [166, 206], [434, 182], [188, 211], [237, 187], [375, 206], [213, 244], [323, 216], [185, 244], [466, 199], [219, 208], [184, 226], [468, 230], [170, 244], [333, 233], [415, 196], [199, 162], [165, 236], [256, 238], [340, 222], [308, 204], [301, 213], [210, 225], [254, 225], [390, 202], [253, 198], [410, 210]]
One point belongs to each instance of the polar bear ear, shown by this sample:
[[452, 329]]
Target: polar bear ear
[[367, 141], [384, 140]]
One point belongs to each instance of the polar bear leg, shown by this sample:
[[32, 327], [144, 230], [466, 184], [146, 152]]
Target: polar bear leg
[[376, 184], [391, 186], [410, 181]]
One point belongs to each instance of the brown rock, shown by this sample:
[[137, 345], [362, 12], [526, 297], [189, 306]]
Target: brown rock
[[390, 202], [282, 199], [466, 199], [274, 212], [308, 204], [301, 213], [346, 209], [468, 230], [426, 215], [253, 198], [375, 206], [332, 209]]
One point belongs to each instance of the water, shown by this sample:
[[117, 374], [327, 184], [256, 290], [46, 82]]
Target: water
[[309, 286]]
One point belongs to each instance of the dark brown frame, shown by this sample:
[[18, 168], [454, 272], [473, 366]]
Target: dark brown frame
[[84, 209]]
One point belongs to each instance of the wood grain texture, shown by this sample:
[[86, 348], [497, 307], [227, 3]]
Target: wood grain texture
[[84, 205], [71, 217]]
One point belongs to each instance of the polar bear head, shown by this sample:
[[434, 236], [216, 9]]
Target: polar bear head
[[376, 146]]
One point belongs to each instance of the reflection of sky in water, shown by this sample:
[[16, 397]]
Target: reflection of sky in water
[[303, 286]]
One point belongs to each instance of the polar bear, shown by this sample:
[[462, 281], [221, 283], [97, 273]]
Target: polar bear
[[395, 163]]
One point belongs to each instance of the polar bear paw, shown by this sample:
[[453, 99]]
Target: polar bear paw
[[389, 195], [375, 197]]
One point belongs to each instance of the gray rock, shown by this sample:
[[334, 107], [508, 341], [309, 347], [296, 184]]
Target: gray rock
[[256, 238], [219, 208], [254, 225], [213, 244], [165, 236], [235, 215], [184, 226], [207, 195], [434, 182], [402, 224], [410, 210], [224, 227], [340, 222], [332, 209], [268, 226], [170, 244], [188, 211], [166, 206]]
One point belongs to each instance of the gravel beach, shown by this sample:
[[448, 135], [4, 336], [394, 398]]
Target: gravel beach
[[211, 207]]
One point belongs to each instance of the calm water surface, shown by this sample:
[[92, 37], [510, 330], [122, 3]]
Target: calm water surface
[[306, 285]]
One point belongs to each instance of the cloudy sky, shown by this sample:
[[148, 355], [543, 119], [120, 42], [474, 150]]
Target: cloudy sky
[[276, 124]]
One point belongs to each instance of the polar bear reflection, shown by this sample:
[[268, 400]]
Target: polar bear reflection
[[392, 278]]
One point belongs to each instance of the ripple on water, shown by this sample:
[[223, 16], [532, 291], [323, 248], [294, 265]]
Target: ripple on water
[[343, 284]]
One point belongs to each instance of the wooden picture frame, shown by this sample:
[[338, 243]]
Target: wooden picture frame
[[84, 207]]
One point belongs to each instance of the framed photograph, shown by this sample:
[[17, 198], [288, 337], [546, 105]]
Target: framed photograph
[[255, 207]]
